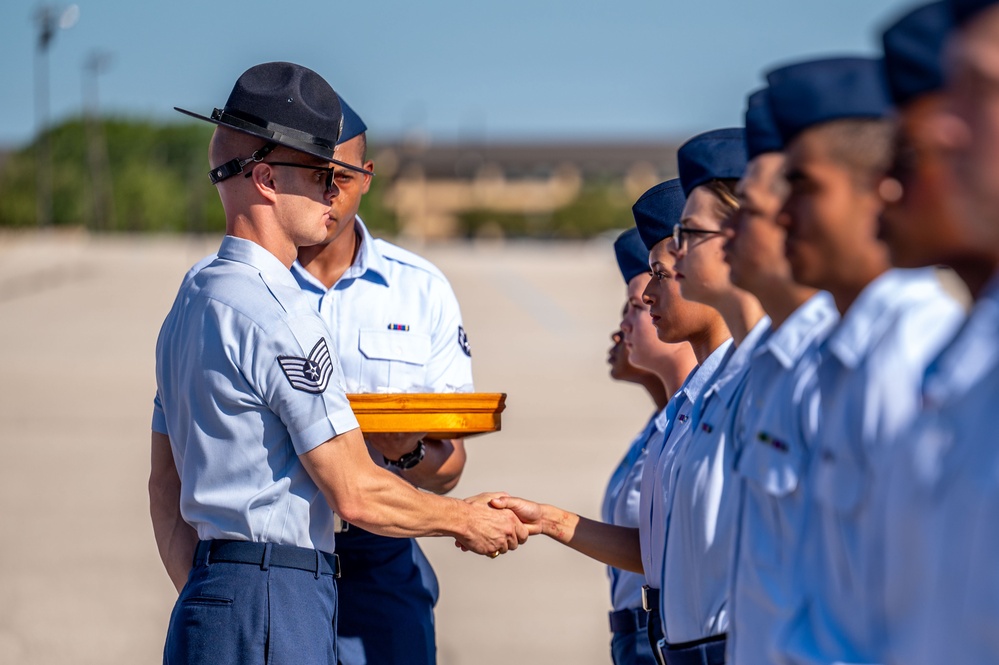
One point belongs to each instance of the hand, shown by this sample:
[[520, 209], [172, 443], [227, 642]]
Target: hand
[[530, 514], [491, 531], [394, 445]]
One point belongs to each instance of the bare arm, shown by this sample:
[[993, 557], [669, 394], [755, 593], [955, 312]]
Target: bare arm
[[175, 538], [441, 466], [367, 495], [616, 546]]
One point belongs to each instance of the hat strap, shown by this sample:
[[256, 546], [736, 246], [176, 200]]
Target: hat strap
[[235, 166]]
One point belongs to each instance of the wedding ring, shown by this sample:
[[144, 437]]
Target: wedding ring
[[494, 555]]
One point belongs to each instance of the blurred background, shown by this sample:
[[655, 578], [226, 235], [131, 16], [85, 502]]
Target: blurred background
[[510, 140]]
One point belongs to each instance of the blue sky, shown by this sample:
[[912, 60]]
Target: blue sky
[[494, 71]]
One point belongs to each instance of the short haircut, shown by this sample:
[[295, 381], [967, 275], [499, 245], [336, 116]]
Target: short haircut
[[862, 145]]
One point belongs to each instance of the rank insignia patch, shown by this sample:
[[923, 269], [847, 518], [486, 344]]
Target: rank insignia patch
[[463, 342], [311, 374]]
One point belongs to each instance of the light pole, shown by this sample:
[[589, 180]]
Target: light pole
[[97, 149], [50, 20]]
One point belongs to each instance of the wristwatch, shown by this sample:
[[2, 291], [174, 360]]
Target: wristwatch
[[409, 460]]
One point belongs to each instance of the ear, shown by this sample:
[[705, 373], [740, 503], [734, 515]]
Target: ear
[[262, 177], [370, 166]]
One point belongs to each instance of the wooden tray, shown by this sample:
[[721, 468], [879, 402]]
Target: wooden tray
[[440, 415]]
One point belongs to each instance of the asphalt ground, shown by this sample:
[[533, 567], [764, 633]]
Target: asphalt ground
[[80, 579]]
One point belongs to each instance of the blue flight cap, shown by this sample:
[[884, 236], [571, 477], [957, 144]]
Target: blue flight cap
[[963, 11], [761, 130], [720, 153], [808, 93], [914, 52], [352, 123], [632, 254], [657, 211]]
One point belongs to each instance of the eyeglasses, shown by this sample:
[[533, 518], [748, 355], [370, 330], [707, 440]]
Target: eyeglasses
[[679, 230], [328, 170]]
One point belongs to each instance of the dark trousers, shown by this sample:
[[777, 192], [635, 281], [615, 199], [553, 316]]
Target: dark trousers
[[708, 651], [630, 643], [654, 631], [246, 614], [387, 596]]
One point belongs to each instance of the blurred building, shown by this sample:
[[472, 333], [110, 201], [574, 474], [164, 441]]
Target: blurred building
[[432, 185]]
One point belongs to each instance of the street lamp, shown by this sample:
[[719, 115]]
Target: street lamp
[[50, 20]]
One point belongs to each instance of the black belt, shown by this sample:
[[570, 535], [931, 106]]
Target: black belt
[[266, 555], [650, 598], [628, 621], [708, 651]]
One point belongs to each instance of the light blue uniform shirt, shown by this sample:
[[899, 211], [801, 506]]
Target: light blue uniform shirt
[[621, 508], [775, 423], [247, 380], [653, 505], [870, 379], [700, 518], [395, 321], [941, 501]]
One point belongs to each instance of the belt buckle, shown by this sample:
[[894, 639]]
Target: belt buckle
[[645, 598]]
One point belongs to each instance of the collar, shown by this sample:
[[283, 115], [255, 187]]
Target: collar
[[737, 360], [860, 326], [702, 374], [250, 253], [810, 322], [369, 264]]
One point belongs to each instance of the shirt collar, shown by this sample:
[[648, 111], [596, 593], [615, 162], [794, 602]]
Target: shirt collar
[[812, 321], [702, 374], [737, 358], [246, 251], [369, 264], [859, 326]]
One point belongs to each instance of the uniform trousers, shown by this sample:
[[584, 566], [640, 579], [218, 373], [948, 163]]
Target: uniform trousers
[[630, 640], [254, 613], [387, 596], [709, 651]]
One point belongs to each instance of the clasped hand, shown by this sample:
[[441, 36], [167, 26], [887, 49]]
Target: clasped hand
[[521, 516]]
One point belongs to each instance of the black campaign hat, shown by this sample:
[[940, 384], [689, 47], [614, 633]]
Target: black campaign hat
[[284, 104]]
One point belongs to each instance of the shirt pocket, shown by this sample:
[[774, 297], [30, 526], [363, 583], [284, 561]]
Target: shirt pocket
[[772, 469], [393, 360]]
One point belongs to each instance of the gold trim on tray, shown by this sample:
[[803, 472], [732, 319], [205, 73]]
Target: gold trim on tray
[[440, 415]]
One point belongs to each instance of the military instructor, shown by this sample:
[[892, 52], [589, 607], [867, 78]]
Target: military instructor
[[254, 444]]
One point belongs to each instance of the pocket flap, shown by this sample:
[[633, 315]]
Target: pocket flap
[[401, 346], [772, 463]]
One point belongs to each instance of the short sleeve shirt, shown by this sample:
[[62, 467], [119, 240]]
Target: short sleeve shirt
[[395, 322], [621, 508], [700, 521], [870, 380], [774, 426], [247, 380]]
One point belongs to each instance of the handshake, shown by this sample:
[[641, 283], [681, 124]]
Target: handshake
[[498, 523]]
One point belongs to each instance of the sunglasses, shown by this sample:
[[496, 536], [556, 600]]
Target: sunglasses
[[328, 170], [679, 232]]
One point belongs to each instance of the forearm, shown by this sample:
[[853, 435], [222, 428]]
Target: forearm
[[175, 538], [441, 466], [615, 546]]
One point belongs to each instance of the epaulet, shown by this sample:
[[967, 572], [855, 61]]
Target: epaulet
[[397, 254]]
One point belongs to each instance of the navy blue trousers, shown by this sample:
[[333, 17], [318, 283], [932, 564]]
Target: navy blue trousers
[[240, 614], [387, 595], [632, 647]]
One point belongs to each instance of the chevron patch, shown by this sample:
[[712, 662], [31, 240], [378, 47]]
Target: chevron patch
[[311, 374]]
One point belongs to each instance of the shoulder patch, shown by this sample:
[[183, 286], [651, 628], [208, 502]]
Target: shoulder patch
[[312, 374], [463, 341]]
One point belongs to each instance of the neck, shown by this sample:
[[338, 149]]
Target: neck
[[781, 298], [741, 311], [242, 225], [330, 261], [710, 338], [657, 391], [846, 294], [975, 273]]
